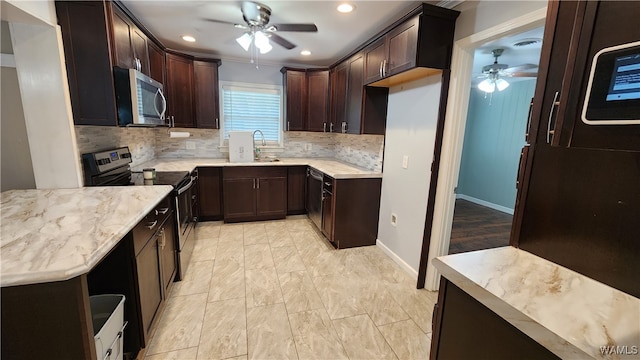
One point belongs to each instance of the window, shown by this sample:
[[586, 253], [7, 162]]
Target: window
[[250, 107]]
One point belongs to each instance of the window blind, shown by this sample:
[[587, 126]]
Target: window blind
[[246, 108]]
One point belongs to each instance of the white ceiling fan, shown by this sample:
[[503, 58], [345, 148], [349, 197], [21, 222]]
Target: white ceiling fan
[[495, 73]]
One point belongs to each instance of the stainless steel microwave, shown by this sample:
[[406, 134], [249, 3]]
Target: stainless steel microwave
[[139, 99]]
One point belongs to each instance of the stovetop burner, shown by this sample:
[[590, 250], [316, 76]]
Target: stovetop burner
[[173, 178]]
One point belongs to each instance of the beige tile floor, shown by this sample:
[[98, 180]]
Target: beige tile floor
[[278, 290]]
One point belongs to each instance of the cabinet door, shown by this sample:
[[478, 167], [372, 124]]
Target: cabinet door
[[354, 94], [239, 198], [121, 39], [180, 90], [206, 94], [295, 100], [338, 96], [149, 283], [168, 252], [296, 182], [318, 100], [402, 43], [374, 56], [210, 194], [327, 215], [156, 63], [140, 52], [271, 196]]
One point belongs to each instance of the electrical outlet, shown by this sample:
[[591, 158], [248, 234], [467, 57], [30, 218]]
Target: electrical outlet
[[191, 145], [394, 219], [405, 161], [308, 146]]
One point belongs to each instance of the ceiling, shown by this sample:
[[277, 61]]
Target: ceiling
[[511, 56], [338, 34]]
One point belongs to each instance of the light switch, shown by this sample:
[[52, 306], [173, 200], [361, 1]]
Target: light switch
[[405, 161]]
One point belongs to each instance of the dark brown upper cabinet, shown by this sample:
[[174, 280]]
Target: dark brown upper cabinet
[[179, 89], [295, 96], [157, 63], [207, 102], [338, 80], [574, 33], [418, 46], [129, 43], [318, 100]]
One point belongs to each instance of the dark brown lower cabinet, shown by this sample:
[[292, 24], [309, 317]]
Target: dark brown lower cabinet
[[149, 283], [253, 193], [296, 182], [350, 211], [466, 329], [210, 193]]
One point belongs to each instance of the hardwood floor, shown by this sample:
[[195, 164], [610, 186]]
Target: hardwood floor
[[476, 227]]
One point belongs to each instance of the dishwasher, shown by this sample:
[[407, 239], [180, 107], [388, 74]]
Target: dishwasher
[[314, 196]]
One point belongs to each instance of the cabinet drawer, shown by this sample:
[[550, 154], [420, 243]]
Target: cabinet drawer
[[151, 223], [240, 172]]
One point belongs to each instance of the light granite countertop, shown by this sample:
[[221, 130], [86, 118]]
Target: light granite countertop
[[334, 168], [55, 235], [568, 313]]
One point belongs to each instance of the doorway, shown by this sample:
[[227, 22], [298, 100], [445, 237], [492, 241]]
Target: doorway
[[494, 136], [451, 152]]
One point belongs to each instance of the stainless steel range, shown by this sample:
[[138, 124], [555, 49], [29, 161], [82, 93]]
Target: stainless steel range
[[111, 168]]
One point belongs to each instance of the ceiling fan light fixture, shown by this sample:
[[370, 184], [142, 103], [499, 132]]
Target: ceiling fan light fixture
[[501, 84], [188, 38], [345, 8], [262, 42], [487, 86], [245, 41], [305, 52]]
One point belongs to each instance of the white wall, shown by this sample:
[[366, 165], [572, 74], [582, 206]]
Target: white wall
[[246, 72], [476, 16], [411, 125]]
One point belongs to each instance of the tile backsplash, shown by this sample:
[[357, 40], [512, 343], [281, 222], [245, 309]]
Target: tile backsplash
[[147, 143]]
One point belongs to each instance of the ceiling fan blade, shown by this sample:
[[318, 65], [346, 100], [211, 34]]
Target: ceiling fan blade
[[296, 27], [520, 68], [240, 26], [282, 41], [523, 74]]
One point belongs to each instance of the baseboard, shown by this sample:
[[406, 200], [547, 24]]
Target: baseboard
[[411, 271], [493, 206]]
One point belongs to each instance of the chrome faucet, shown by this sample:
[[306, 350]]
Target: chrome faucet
[[256, 151]]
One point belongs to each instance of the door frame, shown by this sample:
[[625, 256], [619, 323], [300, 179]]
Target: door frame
[[453, 137]]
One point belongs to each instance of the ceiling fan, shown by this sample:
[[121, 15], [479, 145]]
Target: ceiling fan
[[494, 73], [259, 31]]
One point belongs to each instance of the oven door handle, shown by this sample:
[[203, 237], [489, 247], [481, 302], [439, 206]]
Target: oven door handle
[[186, 187]]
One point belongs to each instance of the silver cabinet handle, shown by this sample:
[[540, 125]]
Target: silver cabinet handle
[[344, 127], [163, 211], [330, 127], [152, 225], [258, 183], [380, 69], [217, 124], [553, 106], [324, 127], [288, 125], [254, 183], [384, 67], [528, 128], [162, 239]]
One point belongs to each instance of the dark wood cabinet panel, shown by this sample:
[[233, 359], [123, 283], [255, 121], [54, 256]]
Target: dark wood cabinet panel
[[374, 110], [210, 193], [85, 39], [140, 51], [454, 338], [271, 196], [354, 94], [374, 57], [339, 101], [168, 253], [156, 63], [296, 182], [402, 46], [149, 283], [318, 100], [327, 215], [239, 198], [295, 99], [121, 35], [180, 90], [206, 94]]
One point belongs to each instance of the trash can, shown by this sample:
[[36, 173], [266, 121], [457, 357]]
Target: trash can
[[107, 313]]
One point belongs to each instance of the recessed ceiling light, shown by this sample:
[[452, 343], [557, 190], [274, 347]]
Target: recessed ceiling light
[[188, 38], [305, 52], [345, 8]]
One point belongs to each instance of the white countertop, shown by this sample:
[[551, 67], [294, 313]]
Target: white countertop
[[334, 168], [566, 312], [55, 235]]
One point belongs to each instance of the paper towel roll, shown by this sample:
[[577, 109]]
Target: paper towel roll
[[179, 134]]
